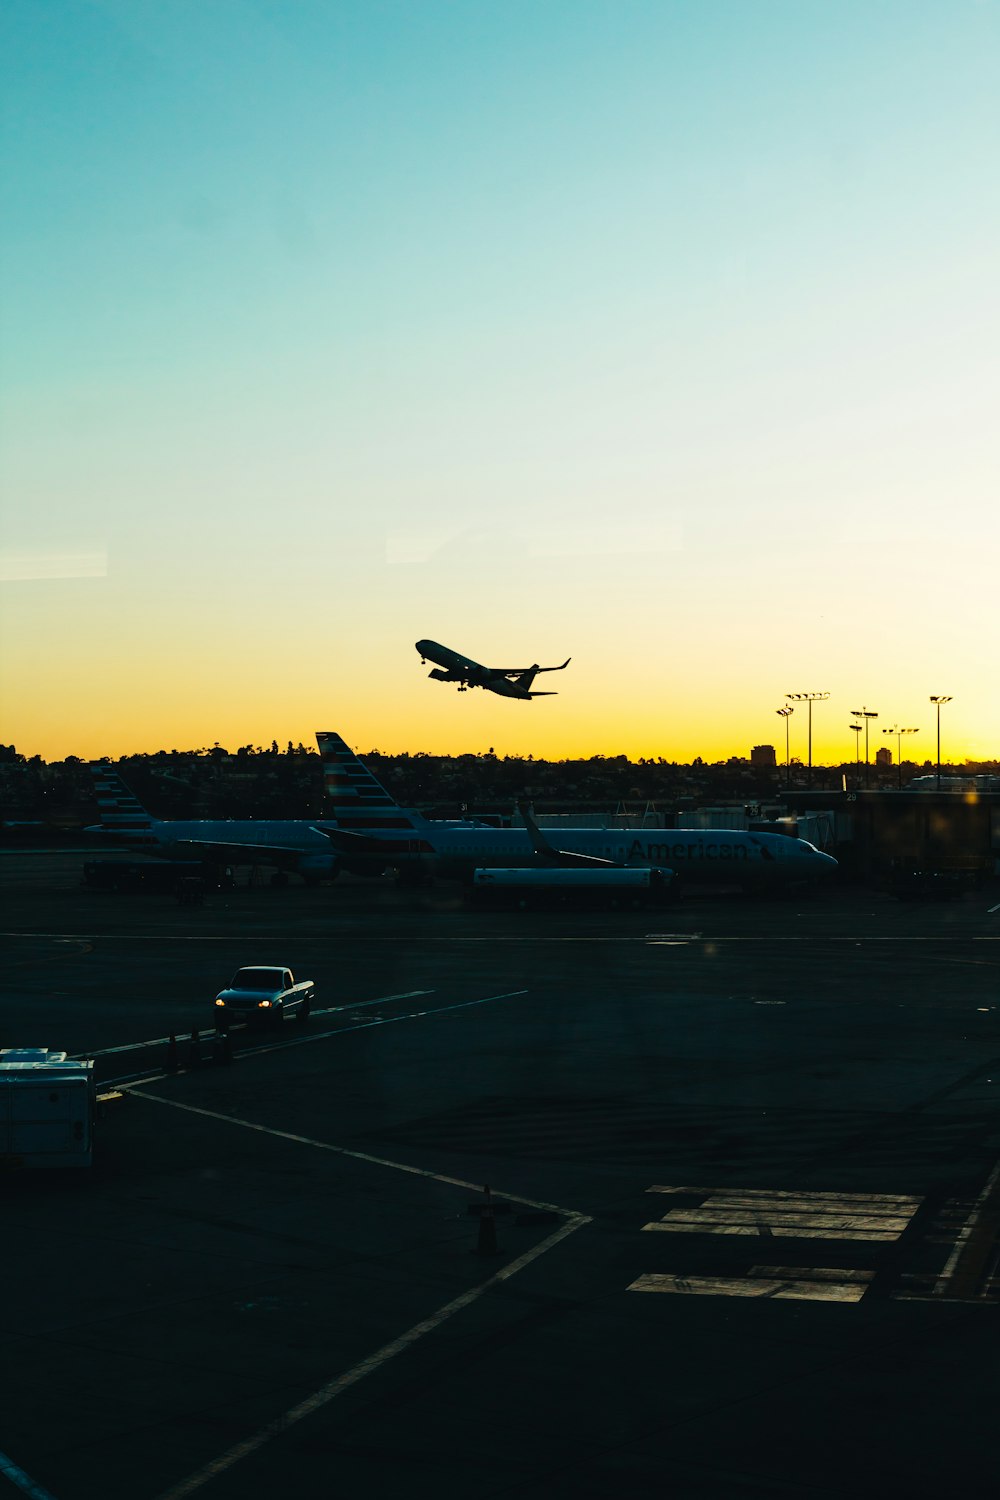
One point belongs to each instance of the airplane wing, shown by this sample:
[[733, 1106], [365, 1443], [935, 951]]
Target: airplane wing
[[547, 851], [520, 671], [221, 853], [346, 842]]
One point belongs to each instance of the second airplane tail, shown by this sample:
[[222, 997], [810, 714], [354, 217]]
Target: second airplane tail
[[354, 798]]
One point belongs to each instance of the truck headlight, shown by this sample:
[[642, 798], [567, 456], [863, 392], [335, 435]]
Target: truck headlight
[[219, 1000], [263, 1004]]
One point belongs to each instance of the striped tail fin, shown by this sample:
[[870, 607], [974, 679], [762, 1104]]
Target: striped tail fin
[[357, 801], [121, 811]]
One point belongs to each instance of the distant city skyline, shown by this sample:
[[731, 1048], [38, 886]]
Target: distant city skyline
[[658, 335]]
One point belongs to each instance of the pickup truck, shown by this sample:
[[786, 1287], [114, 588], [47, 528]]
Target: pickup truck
[[263, 995]]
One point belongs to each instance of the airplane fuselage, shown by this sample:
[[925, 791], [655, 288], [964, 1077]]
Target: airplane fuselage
[[720, 856], [220, 840]]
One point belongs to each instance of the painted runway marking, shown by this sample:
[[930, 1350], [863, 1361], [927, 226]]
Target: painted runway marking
[[126, 1081], [161, 1041], [975, 1239], [330, 1010], [376, 1161], [340, 1383], [835, 1216], [410, 1015], [773, 940], [991, 909], [770, 1215], [793, 1285], [10, 1470]]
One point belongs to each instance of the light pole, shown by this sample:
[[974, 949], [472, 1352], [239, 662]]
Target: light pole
[[856, 730], [899, 764], [866, 714], [939, 698], [809, 698], [786, 714]]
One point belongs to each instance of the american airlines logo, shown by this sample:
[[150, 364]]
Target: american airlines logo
[[653, 852]]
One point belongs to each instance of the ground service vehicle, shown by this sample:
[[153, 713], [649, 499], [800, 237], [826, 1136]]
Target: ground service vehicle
[[151, 875], [47, 1109], [603, 885], [263, 995]]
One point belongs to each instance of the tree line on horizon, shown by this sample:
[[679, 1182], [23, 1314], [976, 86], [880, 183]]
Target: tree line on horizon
[[262, 782]]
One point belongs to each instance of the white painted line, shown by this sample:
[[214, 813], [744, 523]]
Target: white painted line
[[340, 1383], [721, 1286], [378, 1161], [410, 1015], [859, 1202], [780, 1198], [776, 1231], [814, 1273], [766, 1221], [335, 1387], [499, 937], [991, 909], [968, 1228], [330, 1010], [10, 1470], [207, 1029]]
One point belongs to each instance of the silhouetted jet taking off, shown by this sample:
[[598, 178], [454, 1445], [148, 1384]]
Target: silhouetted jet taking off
[[509, 682]]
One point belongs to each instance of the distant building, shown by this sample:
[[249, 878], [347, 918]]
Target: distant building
[[883, 756], [763, 755]]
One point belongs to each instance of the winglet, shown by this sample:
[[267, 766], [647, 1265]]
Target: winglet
[[539, 843]]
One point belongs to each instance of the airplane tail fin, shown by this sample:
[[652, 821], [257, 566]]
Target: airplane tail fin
[[355, 799], [120, 810]]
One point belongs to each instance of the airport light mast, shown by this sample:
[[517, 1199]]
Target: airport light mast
[[856, 730], [809, 698], [938, 699], [866, 714], [786, 714], [899, 764]]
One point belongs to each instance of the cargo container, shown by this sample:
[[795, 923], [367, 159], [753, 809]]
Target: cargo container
[[602, 885]]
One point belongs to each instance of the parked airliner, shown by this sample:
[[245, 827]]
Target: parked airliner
[[509, 682], [372, 832], [284, 845]]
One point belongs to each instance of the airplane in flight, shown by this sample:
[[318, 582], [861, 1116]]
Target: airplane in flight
[[371, 832], [284, 845], [509, 682]]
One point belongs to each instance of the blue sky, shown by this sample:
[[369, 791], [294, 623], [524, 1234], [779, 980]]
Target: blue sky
[[662, 335]]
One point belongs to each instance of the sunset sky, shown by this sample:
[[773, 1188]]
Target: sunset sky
[[661, 334]]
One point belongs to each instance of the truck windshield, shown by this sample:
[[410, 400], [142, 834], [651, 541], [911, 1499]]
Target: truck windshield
[[256, 979]]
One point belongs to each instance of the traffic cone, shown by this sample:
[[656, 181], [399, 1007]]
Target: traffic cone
[[487, 1243], [194, 1049], [173, 1061]]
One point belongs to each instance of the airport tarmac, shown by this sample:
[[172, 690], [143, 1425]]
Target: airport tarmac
[[744, 1153]]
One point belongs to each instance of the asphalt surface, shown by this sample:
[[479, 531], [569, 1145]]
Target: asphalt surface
[[744, 1156]]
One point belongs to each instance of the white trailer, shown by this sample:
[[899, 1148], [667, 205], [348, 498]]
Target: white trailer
[[47, 1108], [607, 885]]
